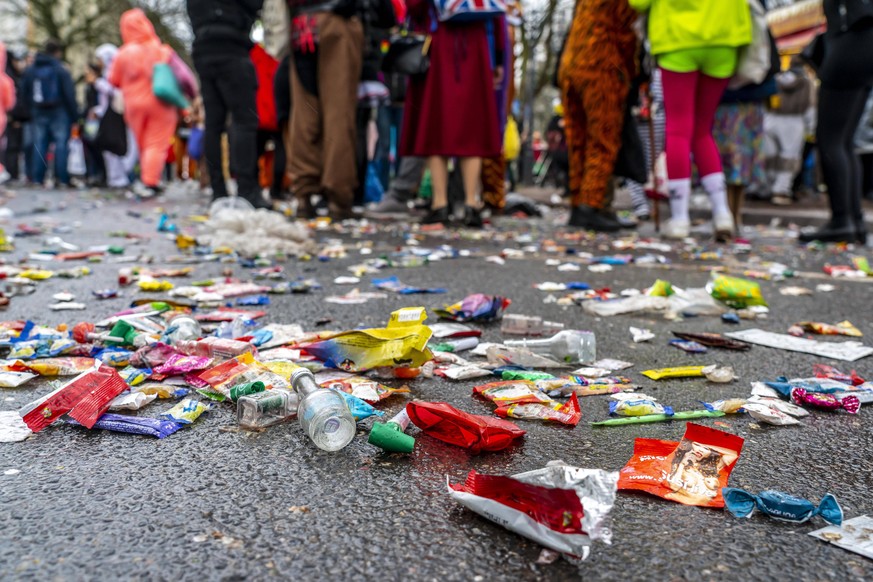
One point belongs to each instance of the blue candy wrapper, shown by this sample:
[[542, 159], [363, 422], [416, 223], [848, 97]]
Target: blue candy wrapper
[[781, 506], [135, 425], [359, 408]]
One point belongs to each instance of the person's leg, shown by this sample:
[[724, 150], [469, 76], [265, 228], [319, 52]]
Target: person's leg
[[14, 137], [238, 87], [214, 127], [492, 182], [706, 154], [680, 91], [866, 161], [839, 112], [116, 174], [383, 145], [362, 120], [41, 140], [576, 132], [439, 177], [60, 132], [305, 141], [279, 162], [339, 65], [158, 126], [471, 174]]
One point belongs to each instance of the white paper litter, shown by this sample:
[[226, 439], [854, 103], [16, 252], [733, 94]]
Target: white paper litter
[[853, 535], [12, 427], [846, 351]]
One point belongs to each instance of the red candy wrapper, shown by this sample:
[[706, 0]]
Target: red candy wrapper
[[471, 431], [825, 401], [692, 471], [563, 508], [831, 373]]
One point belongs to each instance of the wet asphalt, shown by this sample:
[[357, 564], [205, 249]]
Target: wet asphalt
[[213, 503]]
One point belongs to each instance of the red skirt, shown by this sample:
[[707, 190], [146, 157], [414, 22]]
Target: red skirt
[[452, 110]]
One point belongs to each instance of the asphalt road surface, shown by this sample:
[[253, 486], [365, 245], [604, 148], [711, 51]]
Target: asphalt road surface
[[214, 503]]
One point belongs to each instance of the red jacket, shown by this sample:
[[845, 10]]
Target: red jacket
[[265, 69]]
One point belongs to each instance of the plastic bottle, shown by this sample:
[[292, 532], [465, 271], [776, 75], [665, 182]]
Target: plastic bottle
[[571, 346], [323, 414], [528, 325], [182, 328], [214, 347], [241, 326], [263, 409]]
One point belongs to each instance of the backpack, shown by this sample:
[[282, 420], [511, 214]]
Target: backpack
[[46, 87], [755, 58]]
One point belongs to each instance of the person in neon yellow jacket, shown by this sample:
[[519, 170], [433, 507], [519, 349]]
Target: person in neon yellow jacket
[[695, 43]]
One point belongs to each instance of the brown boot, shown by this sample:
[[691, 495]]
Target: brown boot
[[736, 195]]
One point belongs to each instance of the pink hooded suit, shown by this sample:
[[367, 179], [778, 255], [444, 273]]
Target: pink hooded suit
[[7, 93], [152, 121]]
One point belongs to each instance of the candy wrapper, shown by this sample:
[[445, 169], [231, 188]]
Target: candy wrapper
[[568, 413], [394, 285], [462, 372], [641, 335], [763, 412], [692, 471], [511, 392], [736, 293], [56, 366], [359, 408], [470, 431], [403, 342], [187, 411], [134, 376], [14, 379], [152, 355], [136, 425], [162, 391], [781, 506], [131, 401], [667, 373], [561, 507], [478, 307], [239, 370], [115, 357], [624, 404], [179, 364], [825, 401], [831, 373], [651, 418], [719, 374], [358, 386], [731, 406], [843, 328], [713, 340], [689, 346]]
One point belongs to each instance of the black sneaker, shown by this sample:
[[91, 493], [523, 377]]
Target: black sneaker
[[589, 218], [830, 233], [436, 216]]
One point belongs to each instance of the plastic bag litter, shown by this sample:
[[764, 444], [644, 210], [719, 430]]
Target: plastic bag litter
[[255, 232]]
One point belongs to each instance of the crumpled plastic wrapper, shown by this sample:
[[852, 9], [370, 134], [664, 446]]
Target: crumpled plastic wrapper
[[12, 427], [256, 232]]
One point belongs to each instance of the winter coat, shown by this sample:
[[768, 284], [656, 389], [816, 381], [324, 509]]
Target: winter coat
[[688, 24]]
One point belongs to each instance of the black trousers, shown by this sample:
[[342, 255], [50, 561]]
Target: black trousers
[[14, 145], [228, 86], [279, 159]]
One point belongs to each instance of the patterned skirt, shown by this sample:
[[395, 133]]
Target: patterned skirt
[[739, 133]]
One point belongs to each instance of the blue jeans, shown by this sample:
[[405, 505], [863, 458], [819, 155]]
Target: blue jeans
[[388, 121], [50, 126]]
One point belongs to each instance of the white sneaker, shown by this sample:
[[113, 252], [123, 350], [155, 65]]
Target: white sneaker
[[4, 177], [724, 227], [677, 229], [142, 190]]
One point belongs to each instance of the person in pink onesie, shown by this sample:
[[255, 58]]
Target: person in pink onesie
[[7, 102], [152, 121]]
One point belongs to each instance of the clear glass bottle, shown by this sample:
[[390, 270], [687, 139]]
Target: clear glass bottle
[[528, 325], [570, 346], [322, 413], [263, 409]]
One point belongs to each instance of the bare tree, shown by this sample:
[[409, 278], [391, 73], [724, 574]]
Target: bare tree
[[539, 43]]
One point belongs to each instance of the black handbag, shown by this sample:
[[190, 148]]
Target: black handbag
[[112, 133], [407, 54]]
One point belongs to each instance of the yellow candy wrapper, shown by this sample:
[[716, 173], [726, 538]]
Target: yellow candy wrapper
[[36, 274], [154, 285], [735, 292], [401, 343], [187, 411], [660, 288], [681, 372]]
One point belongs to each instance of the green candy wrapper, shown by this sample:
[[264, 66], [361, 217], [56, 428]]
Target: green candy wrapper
[[649, 418], [735, 292]]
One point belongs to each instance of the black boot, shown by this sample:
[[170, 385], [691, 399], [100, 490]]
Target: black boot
[[472, 217], [589, 218], [622, 222], [834, 231], [437, 216]]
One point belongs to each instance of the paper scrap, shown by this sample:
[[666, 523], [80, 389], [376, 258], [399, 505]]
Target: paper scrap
[[846, 351]]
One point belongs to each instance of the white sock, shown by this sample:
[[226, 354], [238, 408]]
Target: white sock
[[680, 194], [715, 186]]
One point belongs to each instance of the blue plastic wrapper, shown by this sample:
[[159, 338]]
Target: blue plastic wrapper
[[115, 357], [253, 300], [394, 285], [781, 506], [359, 408], [260, 337], [691, 347], [135, 425]]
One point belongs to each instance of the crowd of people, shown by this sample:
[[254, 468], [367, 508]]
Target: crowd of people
[[357, 101]]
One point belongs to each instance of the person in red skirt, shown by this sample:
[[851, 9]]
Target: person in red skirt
[[451, 111]]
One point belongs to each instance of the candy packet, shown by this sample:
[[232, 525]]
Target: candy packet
[[719, 374], [763, 412], [832, 373], [46, 410], [152, 355], [561, 507], [243, 368], [781, 506], [131, 401], [56, 366], [569, 413], [162, 391], [850, 403], [181, 364], [136, 425], [462, 371], [511, 392], [692, 471], [134, 376], [471, 431], [667, 373], [402, 342], [115, 357], [187, 411], [624, 404], [358, 386], [735, 292], [478, 307], [713, 340], [689, 346], [730, 406]]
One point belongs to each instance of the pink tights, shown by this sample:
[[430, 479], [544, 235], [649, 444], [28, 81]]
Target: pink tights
[[690, 101]]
